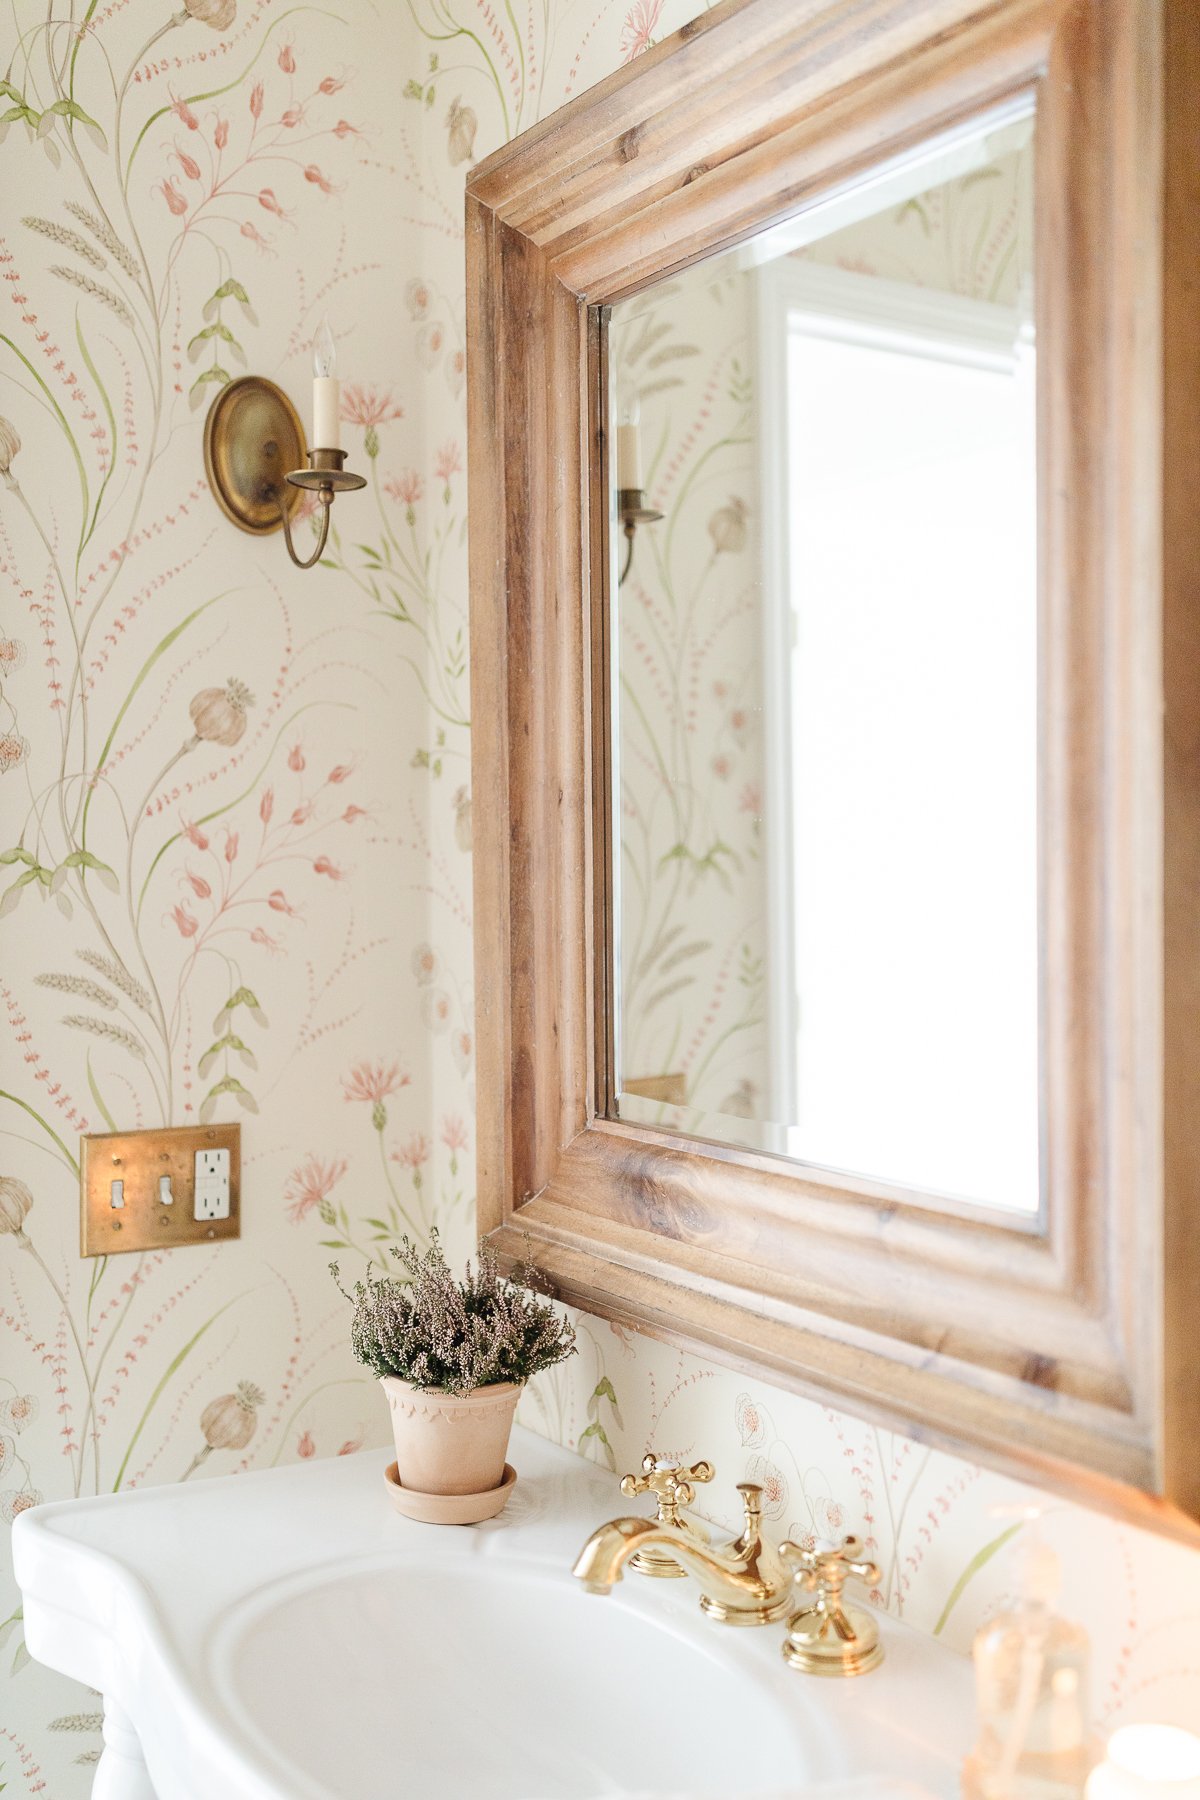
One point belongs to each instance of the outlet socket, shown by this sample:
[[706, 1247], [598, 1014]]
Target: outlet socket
[[212, 1184], [152, 1190]]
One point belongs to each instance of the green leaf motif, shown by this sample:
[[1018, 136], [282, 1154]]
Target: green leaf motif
[[977, 1562]]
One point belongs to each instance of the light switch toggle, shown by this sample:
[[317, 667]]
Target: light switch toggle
[[117, 1194], [164, 1190]]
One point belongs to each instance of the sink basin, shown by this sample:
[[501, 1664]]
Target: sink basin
[[506, 1682], [285, 1636]]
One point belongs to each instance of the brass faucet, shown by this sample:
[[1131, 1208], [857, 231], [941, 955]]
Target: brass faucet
[[745, 1582], [672, 1488]]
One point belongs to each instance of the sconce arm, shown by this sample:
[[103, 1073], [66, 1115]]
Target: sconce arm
[[325, 495]]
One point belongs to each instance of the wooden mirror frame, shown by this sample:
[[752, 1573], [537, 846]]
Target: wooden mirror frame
[[1058, 1349]]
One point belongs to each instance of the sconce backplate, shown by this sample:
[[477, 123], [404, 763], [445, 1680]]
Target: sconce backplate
[[252, 438]]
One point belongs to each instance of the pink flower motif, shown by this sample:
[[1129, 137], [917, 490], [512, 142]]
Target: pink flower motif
[[221, 134], [352, 813], [265, 940], [339, 773], [292, 117], [188, 164], [454, 1132], [18, 1500], [305, 1446], [448, 461], [231, 846], [638, 30], [415, 1153], [296, 758], [199, 886], [278, 901], [188, 926], [287, 59], [373, 1082], [311, 1183], [462, 1045], [323, 866], [313, 174], [172, 196], [268, 201], [369, 406], [256, 100], [750, 799], [332, 84], [303, 813], [256, 237], [773, 1483], [13, 750], [266, 806], [344, 129], [406, 487], [749, 1421], [194, 835], [352, 1445], [184, 113], [721, 767]]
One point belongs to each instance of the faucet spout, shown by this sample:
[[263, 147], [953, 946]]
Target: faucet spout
[[744, 1582]]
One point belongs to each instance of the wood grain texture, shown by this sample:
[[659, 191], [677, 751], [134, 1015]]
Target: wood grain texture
[[1059, 1349]]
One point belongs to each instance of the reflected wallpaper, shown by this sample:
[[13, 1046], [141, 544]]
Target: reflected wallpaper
[[235, 804]]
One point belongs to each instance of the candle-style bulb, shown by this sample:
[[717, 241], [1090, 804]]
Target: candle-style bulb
[[326, 391], [324, 352], [629, 444]]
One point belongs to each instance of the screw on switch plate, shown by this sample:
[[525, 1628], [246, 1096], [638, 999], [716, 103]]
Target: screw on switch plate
[[152, 1190]]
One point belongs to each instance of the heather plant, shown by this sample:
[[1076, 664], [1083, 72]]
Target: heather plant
[[430, 1329]]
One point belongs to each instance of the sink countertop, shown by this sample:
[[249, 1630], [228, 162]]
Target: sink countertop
[[128, 1593]]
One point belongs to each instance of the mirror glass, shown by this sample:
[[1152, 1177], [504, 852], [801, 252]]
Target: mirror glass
[[824, 582]]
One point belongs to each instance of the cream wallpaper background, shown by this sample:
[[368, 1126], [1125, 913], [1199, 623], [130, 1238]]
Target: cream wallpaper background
[[235, 800]]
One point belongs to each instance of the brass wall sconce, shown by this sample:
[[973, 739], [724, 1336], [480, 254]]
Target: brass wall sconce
[[254, 457], [632, 512]]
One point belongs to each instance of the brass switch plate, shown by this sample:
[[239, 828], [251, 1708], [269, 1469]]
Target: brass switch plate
[[139, 1160]]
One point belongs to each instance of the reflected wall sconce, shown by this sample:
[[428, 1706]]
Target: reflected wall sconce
[[254, 452], [631, 496]]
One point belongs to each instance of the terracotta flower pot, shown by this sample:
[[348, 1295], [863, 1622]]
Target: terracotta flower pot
[[450, 1443]]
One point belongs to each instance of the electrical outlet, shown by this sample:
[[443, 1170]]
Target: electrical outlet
[[152, 1190], [212, 1184]]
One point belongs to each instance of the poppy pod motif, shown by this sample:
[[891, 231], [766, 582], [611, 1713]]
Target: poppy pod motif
[[229, 1423], [219, 714], [10, 443], [15, 1202], [727, 527], [220, 14], [461, 125]]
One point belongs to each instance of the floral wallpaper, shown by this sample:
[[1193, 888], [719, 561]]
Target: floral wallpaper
[[235, 807], [693, 946]]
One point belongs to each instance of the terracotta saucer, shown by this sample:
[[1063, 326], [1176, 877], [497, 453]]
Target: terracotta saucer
[[449, 1509]]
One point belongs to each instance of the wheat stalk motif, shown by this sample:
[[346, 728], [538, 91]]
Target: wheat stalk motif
[[103, 294], [120, 978], [116, 1034], [103, 231], [79, 985], [62, 234]]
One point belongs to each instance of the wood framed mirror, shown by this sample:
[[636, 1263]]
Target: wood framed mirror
[[1034, 1309]]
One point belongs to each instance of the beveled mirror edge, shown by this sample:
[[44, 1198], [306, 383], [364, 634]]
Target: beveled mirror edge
[[532, 397]]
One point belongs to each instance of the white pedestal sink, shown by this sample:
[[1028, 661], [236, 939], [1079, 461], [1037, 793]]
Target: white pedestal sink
[[286, 1636]]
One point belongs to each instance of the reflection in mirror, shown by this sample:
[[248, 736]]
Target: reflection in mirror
[[825, 741]]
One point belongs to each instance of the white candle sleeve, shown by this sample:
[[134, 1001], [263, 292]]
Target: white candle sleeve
[[629, 457], [326, 413]]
